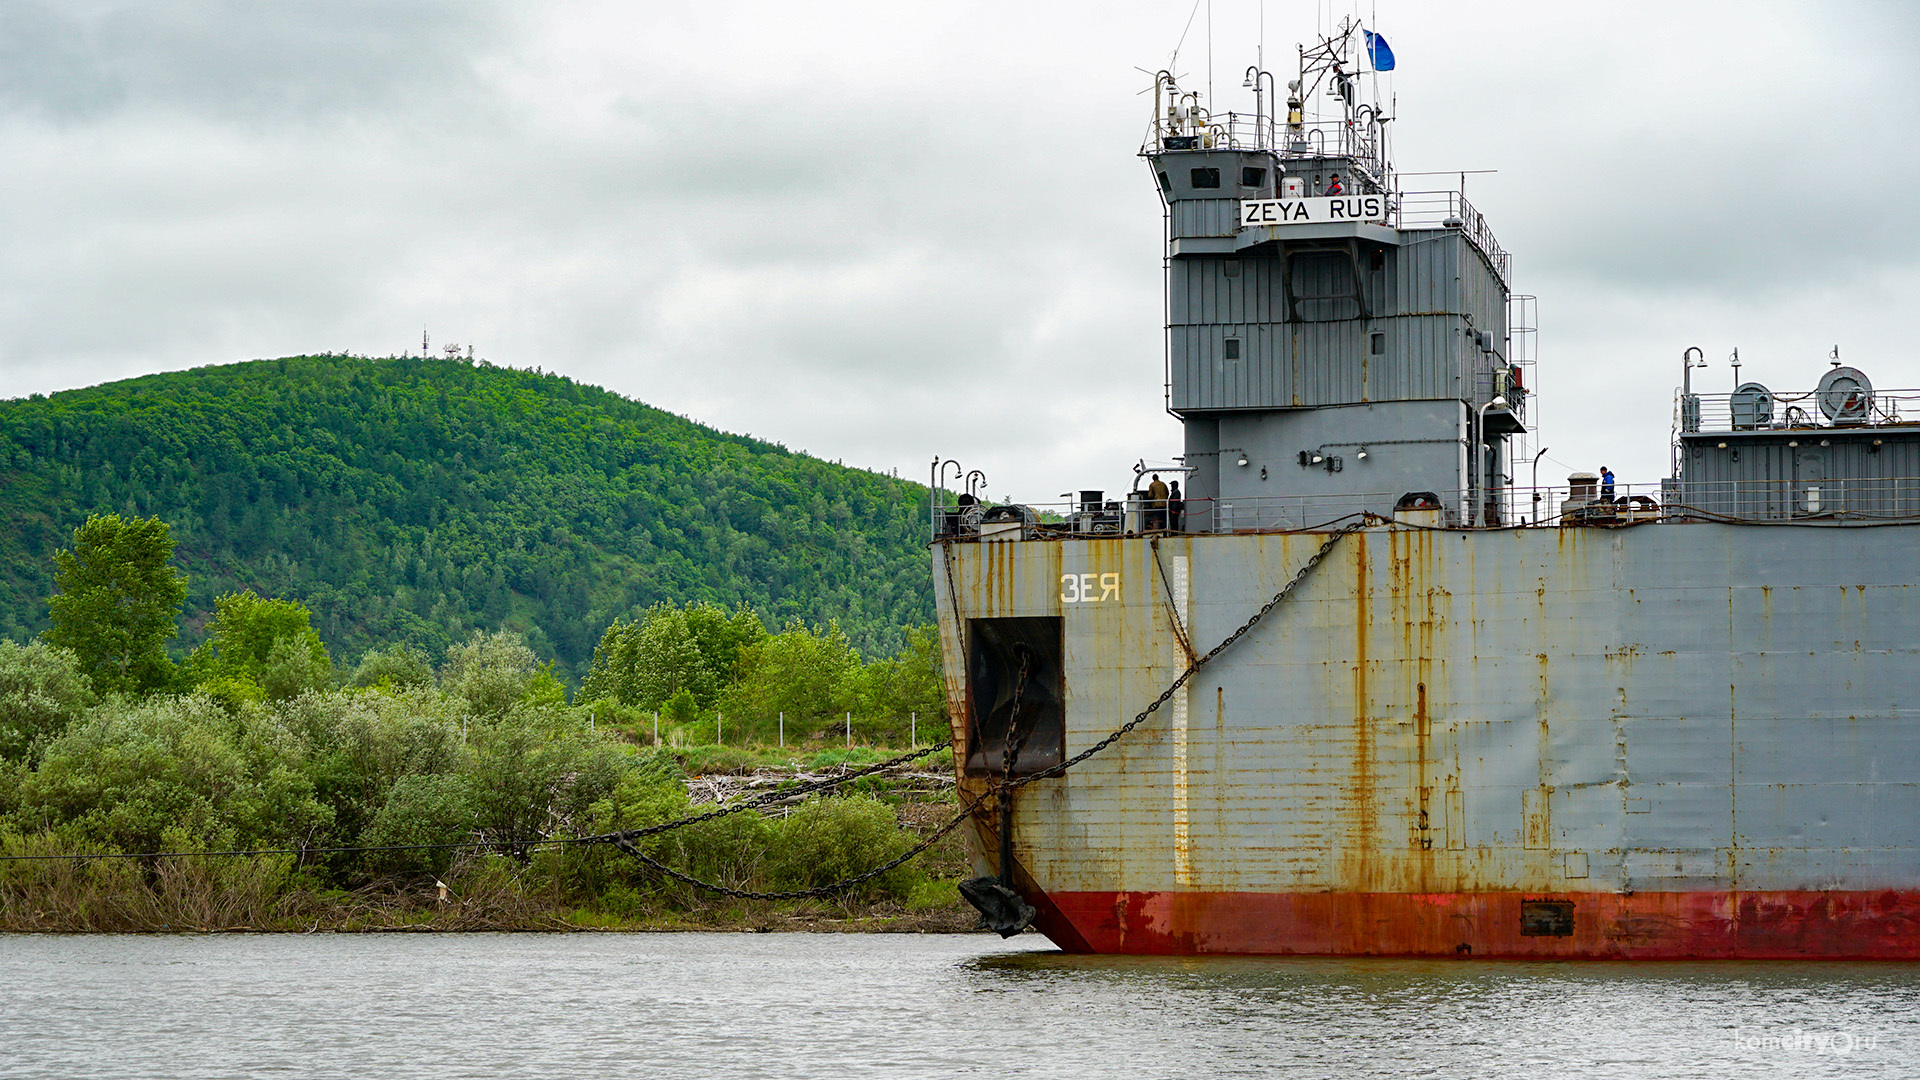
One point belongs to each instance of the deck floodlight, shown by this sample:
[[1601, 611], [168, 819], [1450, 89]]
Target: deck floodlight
[[1361, 454], [1243, 460]]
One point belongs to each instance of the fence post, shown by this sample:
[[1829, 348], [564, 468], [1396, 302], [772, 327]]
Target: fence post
[[783, 731], [716, 728], [849, 731], [656, 727], [913, 731]]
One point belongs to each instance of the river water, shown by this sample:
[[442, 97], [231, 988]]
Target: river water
[[831, 1006]]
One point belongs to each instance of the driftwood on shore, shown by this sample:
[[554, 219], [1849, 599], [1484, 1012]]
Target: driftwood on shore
[[718, 789]]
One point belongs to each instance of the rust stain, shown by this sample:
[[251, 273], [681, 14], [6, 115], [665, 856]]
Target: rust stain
[[1785, 924], [1362, 799], [1222, 830], [1536, 823], [1181, 732], [1423, 740]]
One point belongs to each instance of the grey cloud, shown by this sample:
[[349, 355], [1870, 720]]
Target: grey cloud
[[231, 58], [872, 241]]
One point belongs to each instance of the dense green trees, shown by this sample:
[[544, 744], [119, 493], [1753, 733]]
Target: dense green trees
[[259, 648], [492, 519], [41, 692], [166, 772], [410, 500], [118, 598], [812, 674], [485, 750], [699, 661], [670, 651]]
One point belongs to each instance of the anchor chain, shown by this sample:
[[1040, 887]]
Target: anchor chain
[[1002, 908], [799, 894], [1194, 668], [1008, 784], [1014, 744], [758, 801]]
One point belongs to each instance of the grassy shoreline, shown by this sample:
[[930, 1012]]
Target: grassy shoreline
[[565, 889], [129, 898], [455, 798]]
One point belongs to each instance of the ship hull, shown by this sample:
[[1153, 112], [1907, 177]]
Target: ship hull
[[1662, 741], [1638, 926]]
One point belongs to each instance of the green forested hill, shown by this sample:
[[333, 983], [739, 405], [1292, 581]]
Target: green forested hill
[[415, 500]]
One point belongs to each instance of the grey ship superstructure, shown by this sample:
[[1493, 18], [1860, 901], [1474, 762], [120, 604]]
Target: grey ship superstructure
[[1329, 352], [1476, 719]]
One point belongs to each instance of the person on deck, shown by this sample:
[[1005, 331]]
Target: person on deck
[[1157, 503], [1176, 507], [1606, 482], [1334, 187]]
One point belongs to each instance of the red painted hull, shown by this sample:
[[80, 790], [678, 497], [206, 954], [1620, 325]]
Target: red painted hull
[[1882, 924]]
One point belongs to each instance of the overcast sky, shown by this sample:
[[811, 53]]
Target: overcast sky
[[880, 232]]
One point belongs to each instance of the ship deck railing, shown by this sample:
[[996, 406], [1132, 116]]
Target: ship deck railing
[[1449, 209], [1877, 500], [1134, 514], [1794, 411], [1244, 131], [1810, 499]]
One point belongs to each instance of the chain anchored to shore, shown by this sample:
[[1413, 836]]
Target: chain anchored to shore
[[1004, 789], [1007, 917]]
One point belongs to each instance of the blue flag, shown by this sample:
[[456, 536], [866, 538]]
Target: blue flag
[[1377, 51]]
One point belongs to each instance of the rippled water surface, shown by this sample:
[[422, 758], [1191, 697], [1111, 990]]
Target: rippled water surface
[[802, 1005]]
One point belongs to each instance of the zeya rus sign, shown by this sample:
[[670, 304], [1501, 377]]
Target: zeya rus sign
[[1320, 210]]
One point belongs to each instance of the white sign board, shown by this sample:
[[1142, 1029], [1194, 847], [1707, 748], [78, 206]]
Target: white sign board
[[1321, 210]]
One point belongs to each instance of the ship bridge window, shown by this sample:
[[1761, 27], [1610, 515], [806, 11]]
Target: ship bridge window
[[1166, 185], [1230, 349], [1377, 343], [997, 650], [1206, 178], [1251, 177]]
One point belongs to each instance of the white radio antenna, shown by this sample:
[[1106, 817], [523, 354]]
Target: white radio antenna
[[1173, 62]]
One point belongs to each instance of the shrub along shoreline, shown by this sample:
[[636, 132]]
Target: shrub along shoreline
[[256, 741], [484, 751], [559, 888]]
